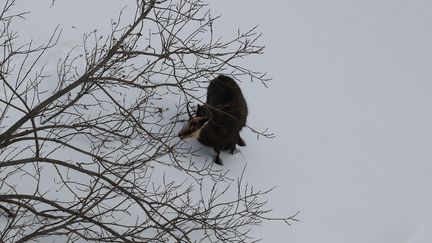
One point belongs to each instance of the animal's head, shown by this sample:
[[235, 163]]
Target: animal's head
[[195, 124]]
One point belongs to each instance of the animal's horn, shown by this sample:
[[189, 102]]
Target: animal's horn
[[187, 109]]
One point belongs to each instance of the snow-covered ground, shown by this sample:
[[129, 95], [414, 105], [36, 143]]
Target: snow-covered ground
[[349, 104]]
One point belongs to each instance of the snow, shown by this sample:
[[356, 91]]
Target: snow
[[349, 104]]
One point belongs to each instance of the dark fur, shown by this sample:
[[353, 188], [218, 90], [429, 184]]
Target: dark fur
[[227, 110]]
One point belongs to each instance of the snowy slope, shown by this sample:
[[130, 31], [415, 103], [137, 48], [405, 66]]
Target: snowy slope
[[349, 104]]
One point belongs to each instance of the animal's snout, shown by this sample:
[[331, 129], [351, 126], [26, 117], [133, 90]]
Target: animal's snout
[[184, 132], [181, 135]]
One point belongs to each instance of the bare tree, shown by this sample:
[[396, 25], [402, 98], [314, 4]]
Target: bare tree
[[82, 150]]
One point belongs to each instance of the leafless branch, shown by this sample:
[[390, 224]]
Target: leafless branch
[[95, 157]]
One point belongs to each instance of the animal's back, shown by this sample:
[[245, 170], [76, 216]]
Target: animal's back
[[225, 98], [222, 90]]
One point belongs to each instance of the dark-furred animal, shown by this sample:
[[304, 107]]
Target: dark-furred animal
[[218, 122]]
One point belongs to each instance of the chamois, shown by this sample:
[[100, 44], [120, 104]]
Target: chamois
[[218, 122]]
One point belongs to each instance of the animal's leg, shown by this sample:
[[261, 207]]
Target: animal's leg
[[217, 160], [233, 149]]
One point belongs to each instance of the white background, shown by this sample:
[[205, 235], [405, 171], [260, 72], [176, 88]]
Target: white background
[[350, 104]]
